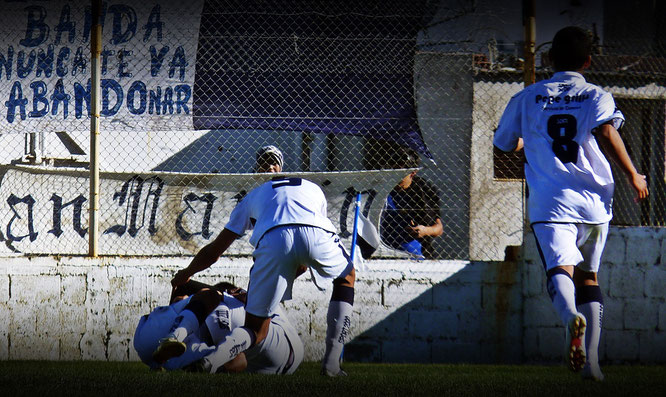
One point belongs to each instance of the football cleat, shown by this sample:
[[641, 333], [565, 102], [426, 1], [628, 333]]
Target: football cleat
[[592, 372], [575, 347], [168, 348], [333, 374]]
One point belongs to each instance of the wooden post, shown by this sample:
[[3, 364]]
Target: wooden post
[[529, 25]]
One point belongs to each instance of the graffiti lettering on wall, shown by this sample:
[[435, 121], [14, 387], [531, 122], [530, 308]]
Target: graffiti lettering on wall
[[147, 59], [140, 202]]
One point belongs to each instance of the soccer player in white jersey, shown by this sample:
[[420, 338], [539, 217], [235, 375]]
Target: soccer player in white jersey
[[561, 123], [290, 230], [219, 310]]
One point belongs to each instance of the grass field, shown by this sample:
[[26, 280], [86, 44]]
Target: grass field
[[92, 378]]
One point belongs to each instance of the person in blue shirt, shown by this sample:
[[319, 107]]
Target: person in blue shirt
[[410, 220]]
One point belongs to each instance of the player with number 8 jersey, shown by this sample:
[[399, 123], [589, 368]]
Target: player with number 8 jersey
[[563, 123], [569, 178]]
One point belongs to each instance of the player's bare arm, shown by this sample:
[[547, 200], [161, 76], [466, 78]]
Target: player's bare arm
[[518, 148], [613, 146], [519, 145], [208, 255], [419, 231]]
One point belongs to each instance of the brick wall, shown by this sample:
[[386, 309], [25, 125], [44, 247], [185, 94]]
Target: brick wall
[[405, 311], [633, 281]]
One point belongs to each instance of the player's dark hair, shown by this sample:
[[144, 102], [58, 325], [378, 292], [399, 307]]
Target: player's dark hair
[[570, 49], [225, 286], [199, 309], [189, 288], [407, 158]]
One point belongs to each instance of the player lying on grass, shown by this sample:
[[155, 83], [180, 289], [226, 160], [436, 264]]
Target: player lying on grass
[[204, 316]]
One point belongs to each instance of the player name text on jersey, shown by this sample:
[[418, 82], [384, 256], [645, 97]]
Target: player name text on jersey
[[567, 99]]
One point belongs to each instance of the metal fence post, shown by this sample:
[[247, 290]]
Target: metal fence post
[[95, 105]]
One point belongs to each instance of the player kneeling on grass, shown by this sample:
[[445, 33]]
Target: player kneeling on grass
[[561, 123], [199, 318]]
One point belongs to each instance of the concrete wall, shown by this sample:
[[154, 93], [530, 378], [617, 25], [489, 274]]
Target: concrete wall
[[405, 311], [496, 206], [633, 280]]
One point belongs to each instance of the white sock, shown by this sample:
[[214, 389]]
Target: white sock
[[593, 312], [185, 324], [195, 351], [234, 344], [563, 294], [338, 321]]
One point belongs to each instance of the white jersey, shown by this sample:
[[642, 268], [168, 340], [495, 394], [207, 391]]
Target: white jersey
[[280, 201], [280, 353], [229, 313], [569, 178]]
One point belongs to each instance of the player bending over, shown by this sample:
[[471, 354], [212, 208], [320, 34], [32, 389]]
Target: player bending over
[[561, 123], [290, 230]]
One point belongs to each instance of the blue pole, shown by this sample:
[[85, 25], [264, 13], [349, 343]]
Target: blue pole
[[357, 210]]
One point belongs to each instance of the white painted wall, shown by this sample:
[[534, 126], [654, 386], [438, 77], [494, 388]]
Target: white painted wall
[[633, 280], [496, 206], [76, 308]]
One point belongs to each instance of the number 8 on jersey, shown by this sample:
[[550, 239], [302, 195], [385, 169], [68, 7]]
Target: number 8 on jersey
[[562, 128]]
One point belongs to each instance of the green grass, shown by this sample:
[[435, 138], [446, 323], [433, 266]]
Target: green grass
[[92, 378]]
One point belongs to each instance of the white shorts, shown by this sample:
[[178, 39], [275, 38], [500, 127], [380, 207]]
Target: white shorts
[[279, 254], [280, 353], [571, 244]]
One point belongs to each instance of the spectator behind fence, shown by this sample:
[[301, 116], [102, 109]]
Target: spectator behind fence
[[269, 159], [410, 220]]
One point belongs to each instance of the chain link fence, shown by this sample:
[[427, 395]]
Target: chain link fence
[[355, 94]]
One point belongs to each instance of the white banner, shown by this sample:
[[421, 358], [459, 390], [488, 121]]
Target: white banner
[[147, 64], [46, 211]]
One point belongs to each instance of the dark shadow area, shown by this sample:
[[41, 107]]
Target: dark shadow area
[[474, 316]]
